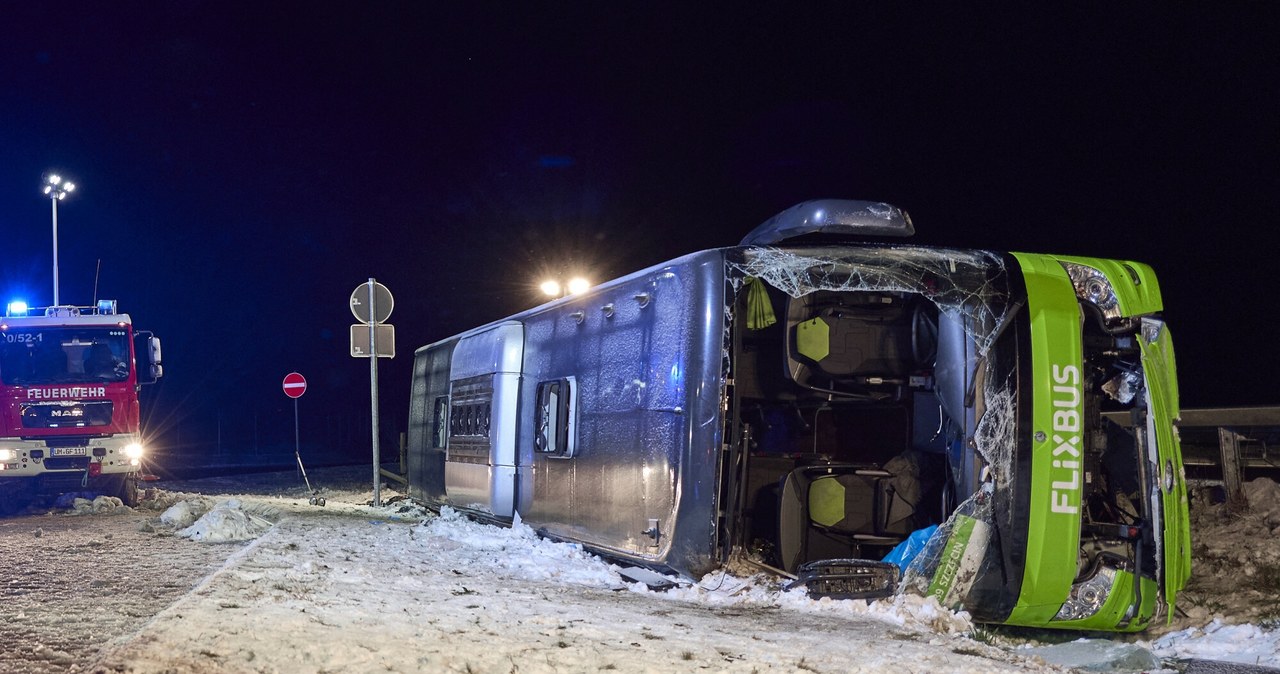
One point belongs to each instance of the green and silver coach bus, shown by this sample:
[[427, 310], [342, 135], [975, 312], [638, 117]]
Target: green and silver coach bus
[[811, 399]]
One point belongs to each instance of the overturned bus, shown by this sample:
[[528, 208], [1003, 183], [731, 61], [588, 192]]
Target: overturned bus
[[815, 396]]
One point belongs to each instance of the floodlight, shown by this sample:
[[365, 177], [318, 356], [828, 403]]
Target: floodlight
[[56, 190]]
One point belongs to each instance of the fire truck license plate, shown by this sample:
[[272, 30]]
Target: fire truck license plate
[[69, 451]]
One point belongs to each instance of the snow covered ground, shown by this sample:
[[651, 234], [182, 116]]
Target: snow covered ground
[[352, 588]]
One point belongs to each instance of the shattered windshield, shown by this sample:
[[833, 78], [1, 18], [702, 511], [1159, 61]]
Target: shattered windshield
[[965, 284], [32, 356]]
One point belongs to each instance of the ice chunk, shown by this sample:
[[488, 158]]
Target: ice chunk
[[1098, 655]]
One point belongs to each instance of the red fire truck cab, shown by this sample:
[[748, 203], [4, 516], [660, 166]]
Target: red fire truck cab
[[69, 413]]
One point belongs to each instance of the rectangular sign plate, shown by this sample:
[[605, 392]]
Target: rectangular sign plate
[[385, 336], [68, 451]]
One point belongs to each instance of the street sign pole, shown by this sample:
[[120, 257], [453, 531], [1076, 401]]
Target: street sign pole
[[294, 386], [371, 304], [297, 445], [373, 395]]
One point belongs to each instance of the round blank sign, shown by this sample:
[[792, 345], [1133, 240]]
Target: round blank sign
[[381, 298]]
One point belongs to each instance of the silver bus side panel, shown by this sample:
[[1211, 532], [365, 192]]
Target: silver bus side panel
[[483, 407], [645, 354]]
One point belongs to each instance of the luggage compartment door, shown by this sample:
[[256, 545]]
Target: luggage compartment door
[[484, 395]]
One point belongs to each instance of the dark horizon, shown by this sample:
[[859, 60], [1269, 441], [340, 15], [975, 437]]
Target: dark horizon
[[242, 169]]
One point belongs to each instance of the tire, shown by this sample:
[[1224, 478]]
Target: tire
[[126, 489], [14, 498]]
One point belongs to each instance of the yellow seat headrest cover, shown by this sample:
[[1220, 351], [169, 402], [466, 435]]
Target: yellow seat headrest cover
[[813, 339]]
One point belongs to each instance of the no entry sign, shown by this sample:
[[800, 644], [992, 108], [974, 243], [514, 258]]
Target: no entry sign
[[295, 385]]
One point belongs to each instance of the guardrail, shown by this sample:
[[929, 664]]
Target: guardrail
[[1233, 440]]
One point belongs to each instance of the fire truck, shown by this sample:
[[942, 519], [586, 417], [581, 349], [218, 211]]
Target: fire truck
[[69, 413]]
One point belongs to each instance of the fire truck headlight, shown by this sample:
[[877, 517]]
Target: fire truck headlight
[[133, 450], [8, 454]]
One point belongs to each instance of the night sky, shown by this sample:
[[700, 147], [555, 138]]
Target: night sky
[[242, 167]]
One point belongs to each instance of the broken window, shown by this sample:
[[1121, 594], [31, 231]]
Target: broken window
[[555, 432], [440, 423]]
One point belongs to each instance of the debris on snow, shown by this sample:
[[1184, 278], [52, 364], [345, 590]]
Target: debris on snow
[[1230, 543], [98, 505], [228, 521]]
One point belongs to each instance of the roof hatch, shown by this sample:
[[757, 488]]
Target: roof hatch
[[838, 217]]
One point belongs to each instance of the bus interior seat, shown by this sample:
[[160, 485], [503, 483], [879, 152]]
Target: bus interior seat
[[833, 510], [857, 338]]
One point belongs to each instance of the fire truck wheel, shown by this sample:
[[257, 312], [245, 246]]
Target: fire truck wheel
[[127, 490], [13, 498]]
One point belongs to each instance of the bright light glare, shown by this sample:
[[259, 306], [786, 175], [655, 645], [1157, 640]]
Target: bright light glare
[[17, 308], [8, 454], [133, 450], [578, 285], [57, 188], [551, 288]]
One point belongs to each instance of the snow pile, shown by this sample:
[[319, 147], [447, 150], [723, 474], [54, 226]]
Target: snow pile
[[1246, 644], [227, 521], [183, 514], [518, 552], [1263, 495], [909, 611], [98, 505]]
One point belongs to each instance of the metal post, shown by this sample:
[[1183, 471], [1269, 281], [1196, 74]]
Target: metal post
[[373, 396], [297, 445], [55, 251], [297, 454], [1232, 468]]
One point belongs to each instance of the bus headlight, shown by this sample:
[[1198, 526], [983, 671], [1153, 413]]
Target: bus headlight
[[1093, 287], [1088, 597], [133, 450]]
